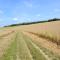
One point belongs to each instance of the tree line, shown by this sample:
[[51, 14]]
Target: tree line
[[28, 23]]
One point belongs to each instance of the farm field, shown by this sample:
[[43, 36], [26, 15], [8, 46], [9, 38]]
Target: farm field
[[31, 42], [48, 32]]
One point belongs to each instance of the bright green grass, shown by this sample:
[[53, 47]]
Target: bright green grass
[[23, 50], [17, 48], [36, 54], [10, 53], [46, 51]]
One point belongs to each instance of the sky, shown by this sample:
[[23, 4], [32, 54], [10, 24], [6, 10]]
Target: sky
[[18, 11]]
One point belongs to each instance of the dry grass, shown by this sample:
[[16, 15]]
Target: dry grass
[[5, 42], [49, 34], [44, 43], [49, 30], [49, 37]]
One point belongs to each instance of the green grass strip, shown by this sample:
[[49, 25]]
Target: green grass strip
[[10, 53], [46, 51], [36, 54], [24, 53]]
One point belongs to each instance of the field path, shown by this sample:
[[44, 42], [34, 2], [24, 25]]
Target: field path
[[21, 47], [45, 57], [41, 43], [25, 51], [45, 43], [5, 41]]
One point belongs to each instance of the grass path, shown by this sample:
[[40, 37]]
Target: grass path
[[18, 50], [22, 48], [10, 53], [40, 51], [36, 52], [5, 42], [48, 54]]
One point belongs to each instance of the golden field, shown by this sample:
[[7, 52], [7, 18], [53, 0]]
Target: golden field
[[39, 41]]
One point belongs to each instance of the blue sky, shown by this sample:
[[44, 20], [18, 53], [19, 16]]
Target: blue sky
[[18, 11]]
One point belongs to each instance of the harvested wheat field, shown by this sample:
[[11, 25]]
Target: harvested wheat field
[[39, 41]]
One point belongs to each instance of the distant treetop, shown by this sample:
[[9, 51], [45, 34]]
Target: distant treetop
[[54, 19], [28, 23]]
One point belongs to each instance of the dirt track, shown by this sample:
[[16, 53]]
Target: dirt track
[[5, 41], [20, 47], [43, 42], [28, 50]]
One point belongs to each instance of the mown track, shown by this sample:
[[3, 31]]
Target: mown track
[[6, 34], [49, 55], [5, 43], [24, 52], [51, 39], [17, 50], [29, 50], [22, 48], [10, 52], [36, 52]]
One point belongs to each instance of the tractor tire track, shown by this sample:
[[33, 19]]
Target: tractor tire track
[[23, 51], [5, 42], [6, 34], [38, 48]]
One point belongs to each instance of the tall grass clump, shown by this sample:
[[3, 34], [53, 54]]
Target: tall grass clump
[[49, 36]]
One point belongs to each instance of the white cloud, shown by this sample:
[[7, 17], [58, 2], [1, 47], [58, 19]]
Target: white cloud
[[15, 19], [1, 11], [0, 19], [38, 15], [28, 4], [56, 10]]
